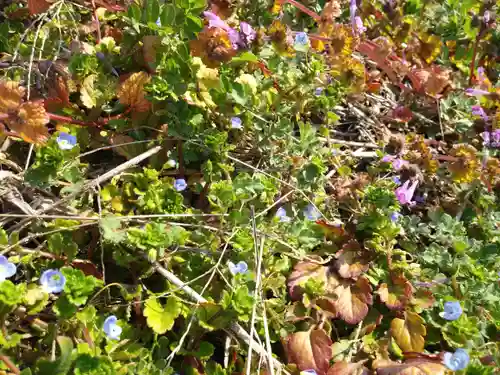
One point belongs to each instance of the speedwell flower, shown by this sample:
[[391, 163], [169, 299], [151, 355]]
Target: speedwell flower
[[236, 123], [240, 267], [282, 216], [111, 328], [52, 281], [456, 361], [452, 310], [180, 184], [7, 269], [312, 212], [66, 141]]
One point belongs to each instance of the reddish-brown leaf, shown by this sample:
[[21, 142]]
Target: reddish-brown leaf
[[302, 272], [38, 6], [419, 366], [397, 293], [11, 96], [432, 81], [345, 368], [29, 122], [351, 299], [402, 114], [310, 350], [132, 92], [352, 260]]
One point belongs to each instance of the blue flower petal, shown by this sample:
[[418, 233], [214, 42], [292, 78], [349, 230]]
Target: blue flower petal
[[52, 281], [456, 361], [452, 311], [180, 184], [111, 328]]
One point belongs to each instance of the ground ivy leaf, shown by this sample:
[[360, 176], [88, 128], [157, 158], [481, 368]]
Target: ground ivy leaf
[[302, 272], [353, 298], [310, 350], [397, 293], [409, 332], [111, 229], [345, 368], [423, 299], [351, 261], [418, 366], [159, 318]]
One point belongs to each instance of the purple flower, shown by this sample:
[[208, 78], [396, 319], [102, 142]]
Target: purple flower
[[236, 123], [358, 22], [240, 267], [66, 141], [215, 21], [301, 38], [235, 38], [312, 212], [318, 91], [476, 92], [396, 180], [7, 269], [456, 361], [405, 193], [395, 216], [495, 134], [397, 164], [481, 75], [387, 158], [180, 184], [486, 138], [452, 311], [282, 216], [111, 328], [477, 110], [247, 34], [52, 281], [487, 16]]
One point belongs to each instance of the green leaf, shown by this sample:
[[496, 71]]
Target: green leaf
[[4, 238], [212, 316], [134, 12], [168, 15], [111, 229], [85, 364], [11, 294], [159, 318], [63, 364], [35, 299], [11, 341], [62, 244], [64, 308], [205, 351], [152, 11], [78, 287]]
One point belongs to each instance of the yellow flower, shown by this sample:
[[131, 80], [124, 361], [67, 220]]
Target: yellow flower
[[466, 166]]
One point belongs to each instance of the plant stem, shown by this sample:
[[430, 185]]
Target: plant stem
[[304, 9], [12, 367]]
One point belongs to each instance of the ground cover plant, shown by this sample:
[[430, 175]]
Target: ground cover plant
[[249, 187]]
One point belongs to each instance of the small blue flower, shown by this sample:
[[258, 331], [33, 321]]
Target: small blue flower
[[396, 180], [236, 123], [111, 328], [180, 184], [395, 216], [7, 269], [312, 212], [66, 141], [318, 91], [456, 361], [301, 38], [241, 267], [52, 281], [158, 22], [452, 310], [281, 214], [308, 372]]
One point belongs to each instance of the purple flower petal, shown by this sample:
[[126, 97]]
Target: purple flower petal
[[476, 92]]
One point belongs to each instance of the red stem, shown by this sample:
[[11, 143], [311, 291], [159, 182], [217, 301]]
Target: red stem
[[12, 367], [304, 9]]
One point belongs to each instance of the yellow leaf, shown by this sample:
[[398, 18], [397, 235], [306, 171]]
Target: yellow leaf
[[87, 92], [132, 93], [409, 333], [11, 95], [30, 123]]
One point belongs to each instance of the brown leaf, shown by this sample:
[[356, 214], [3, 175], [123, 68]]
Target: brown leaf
[[352, 298], [409, 333], [431, 80], [423, 299], [30, 122], [310, 350], [302, 272], [420, 366], [149, 45], [402, 114], [11, 96], [344, 368], [397, 293], [351, 261], [38, 6], [132, 92]]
